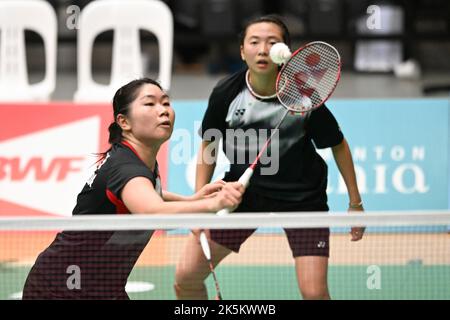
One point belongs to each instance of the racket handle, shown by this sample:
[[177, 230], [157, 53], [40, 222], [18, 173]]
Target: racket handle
[[205, 246], [246, 176], [244, 180], [223, 212]]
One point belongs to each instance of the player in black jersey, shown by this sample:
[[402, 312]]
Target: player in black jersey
[[96, 265], [294, 180]]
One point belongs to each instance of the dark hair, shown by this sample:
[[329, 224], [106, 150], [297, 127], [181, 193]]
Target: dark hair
[[271, 18], [121, 105]]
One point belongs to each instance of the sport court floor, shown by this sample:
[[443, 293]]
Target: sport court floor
[[409, 266]]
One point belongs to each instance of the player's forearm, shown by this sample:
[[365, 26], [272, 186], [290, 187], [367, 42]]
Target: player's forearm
[[344, 162], [206, 163], [170, 196], [197, 206]]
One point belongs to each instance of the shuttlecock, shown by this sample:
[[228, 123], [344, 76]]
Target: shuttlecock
[[280, 53], [306, 102]]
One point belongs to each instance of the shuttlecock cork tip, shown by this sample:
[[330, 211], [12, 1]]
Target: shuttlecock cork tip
[[280, 53]]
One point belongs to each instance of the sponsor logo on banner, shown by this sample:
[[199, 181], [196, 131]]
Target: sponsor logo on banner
[[46, 169], [47, 154], [395, 169]]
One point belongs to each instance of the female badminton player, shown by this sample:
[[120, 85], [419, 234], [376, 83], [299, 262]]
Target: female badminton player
[[247, 100], [96, 265]]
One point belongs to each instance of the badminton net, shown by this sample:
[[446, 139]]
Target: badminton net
[[403, 255]]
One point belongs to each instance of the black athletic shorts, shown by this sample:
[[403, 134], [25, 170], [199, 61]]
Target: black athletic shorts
[[303, 242]]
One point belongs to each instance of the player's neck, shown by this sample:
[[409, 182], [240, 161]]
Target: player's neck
[[261, 85], [146, 153]]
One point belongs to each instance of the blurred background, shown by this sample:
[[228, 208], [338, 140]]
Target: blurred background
[[393, 99], [412, 35]]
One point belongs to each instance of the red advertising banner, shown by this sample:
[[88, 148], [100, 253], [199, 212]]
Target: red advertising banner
[[48, 151]]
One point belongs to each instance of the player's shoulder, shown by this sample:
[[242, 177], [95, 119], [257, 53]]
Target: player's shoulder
[[322, 111], [121, 156], [233, 81]]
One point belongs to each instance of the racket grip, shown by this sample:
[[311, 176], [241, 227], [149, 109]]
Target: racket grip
[[246, 176], [244, 180], [205, 246], [223, 212]]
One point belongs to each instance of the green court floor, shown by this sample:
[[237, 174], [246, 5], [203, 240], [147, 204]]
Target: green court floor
[[413, 281]]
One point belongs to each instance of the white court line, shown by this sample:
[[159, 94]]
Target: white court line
[[131, 287]]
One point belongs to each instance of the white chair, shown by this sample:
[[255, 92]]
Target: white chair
[[126, 18], [15, 17]]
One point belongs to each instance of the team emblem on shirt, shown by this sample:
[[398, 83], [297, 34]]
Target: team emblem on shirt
[[239, 112], [321, 244]]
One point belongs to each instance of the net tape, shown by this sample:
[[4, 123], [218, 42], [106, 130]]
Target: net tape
[[232, 221]]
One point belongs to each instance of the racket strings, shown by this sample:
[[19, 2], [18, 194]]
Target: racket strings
[[309, 77]]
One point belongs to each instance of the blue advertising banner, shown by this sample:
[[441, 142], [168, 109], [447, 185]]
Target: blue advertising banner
[[400, 150], [401, 153]]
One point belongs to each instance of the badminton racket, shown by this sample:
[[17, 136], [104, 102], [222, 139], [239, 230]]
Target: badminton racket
[[306, 80], [207, 252]]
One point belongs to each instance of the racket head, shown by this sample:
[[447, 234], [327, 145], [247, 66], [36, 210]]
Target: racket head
[[309, 77]]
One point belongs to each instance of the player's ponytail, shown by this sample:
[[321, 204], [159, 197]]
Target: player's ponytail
[[115, 133]]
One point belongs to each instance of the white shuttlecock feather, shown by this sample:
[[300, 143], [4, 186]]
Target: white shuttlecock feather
[[306, 102], [280, 53]]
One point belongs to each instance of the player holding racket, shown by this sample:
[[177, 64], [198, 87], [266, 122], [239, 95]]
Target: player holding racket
[[96, 264], [247, 100]]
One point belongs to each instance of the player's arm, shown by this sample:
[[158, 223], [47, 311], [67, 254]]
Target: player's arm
[[344, 162], [206, 163], [140, 188], [207, 190], [170, 196]]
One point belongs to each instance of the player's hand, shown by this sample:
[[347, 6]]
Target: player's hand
[[228, 197], [209, 190], [357, 233]]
